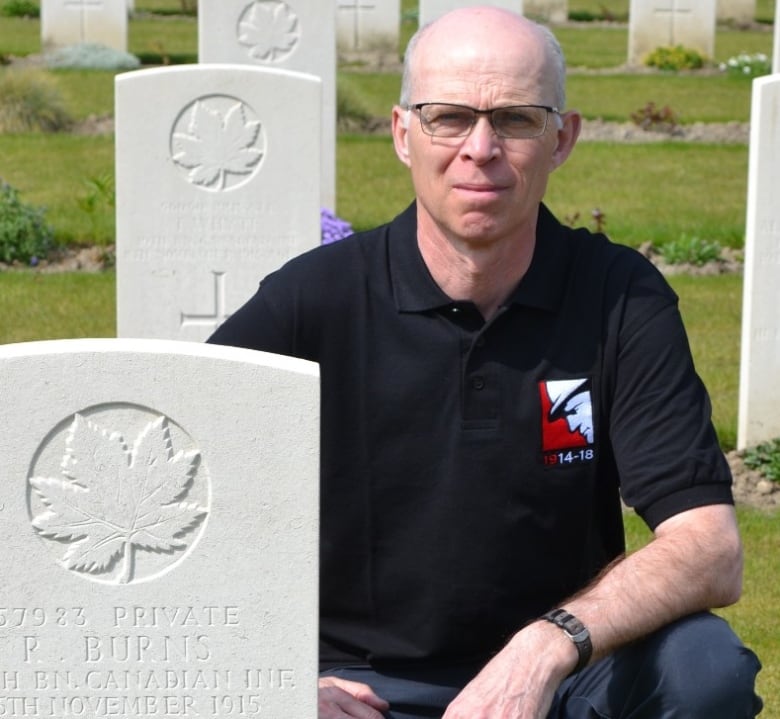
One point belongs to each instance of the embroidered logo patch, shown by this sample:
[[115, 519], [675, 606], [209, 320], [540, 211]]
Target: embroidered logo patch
[[567, 421]]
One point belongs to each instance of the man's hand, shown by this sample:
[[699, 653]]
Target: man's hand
[[693, 563], [520, 681], [339, 698]]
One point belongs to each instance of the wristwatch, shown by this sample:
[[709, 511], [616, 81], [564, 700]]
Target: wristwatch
[[576, 631]]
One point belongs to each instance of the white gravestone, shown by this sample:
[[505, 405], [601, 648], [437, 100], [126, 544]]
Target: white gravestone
[[297, 35], [759, 386], [72, 22], [368, 25], [431, 9], [159, 510], [215, 188], [739, 11], [668, 23], [555, 11]]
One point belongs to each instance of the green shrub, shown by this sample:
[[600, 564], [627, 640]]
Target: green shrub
[[30, 101], [604, 14], [91, 56], [675, 58], [20, 8], [24, 235], [765, 458], [690, 251]]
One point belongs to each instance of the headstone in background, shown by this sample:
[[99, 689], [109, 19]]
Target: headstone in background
[[737, 11], [368, 26], [759, 385], [554, 11], [431, 9], [295, 35], [668, 23], [72, 22], [159, 530], [217, 184]]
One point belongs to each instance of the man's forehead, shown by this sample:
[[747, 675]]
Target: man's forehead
[[448, 81], [445, 60]]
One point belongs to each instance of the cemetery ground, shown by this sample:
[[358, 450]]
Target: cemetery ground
[[684, 185]]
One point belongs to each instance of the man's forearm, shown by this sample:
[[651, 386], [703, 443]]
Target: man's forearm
[[693, 563]]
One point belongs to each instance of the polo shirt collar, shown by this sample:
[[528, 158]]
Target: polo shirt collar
[[415, 290]]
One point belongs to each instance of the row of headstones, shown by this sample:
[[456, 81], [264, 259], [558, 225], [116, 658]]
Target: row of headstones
[[371, 25]]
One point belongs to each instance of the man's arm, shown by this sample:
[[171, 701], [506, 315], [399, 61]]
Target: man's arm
[[693, 563]]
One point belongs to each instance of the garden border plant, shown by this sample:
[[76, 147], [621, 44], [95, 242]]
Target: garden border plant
[[24, 235], [764, 458]]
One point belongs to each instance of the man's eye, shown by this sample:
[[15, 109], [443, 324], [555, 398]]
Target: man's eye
[[451, 117], [517, 118]]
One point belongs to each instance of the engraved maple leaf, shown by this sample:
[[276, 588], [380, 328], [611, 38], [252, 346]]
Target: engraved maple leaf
[[114, 498], [270, 29], [216, 144]]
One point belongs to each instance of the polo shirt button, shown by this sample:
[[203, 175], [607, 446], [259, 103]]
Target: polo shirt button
[[478, 382]]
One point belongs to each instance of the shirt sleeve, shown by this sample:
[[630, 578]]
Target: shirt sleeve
[[665, 446], [257, 325]]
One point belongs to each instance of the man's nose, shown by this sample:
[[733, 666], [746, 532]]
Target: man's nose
[[482, 142]]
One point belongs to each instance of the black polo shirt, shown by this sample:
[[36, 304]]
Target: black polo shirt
[[470, 470]]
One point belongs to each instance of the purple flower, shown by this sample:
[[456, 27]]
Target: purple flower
[[333, 228]]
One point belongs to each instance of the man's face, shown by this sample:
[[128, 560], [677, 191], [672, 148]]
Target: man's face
[[479, 188]]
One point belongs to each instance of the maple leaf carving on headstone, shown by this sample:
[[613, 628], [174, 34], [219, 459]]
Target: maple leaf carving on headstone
[[269, 29], [113, 499], [217, 144]]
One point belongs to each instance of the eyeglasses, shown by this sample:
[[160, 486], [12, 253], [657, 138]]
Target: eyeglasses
[[517, 122]]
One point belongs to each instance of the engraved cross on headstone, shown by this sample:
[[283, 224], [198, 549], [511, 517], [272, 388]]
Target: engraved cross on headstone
[[83, 6], [673, 8], [220, 313], [356, 7]]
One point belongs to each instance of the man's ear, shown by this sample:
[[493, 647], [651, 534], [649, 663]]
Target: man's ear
[[568, 132], [400, 129]]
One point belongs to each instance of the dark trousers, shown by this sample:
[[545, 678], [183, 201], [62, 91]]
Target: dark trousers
[[695, 668]]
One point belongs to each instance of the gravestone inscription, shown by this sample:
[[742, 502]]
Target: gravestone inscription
[[159, 531], [217, 184]]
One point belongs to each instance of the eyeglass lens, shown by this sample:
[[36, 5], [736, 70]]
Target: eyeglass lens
[[520, 121]]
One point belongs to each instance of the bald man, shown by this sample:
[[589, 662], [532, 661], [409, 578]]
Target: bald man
[[493, 383]]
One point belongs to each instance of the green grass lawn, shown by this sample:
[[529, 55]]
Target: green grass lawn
[[37, 306]]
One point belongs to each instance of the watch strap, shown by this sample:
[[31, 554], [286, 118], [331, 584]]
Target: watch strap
[[576, 631]]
